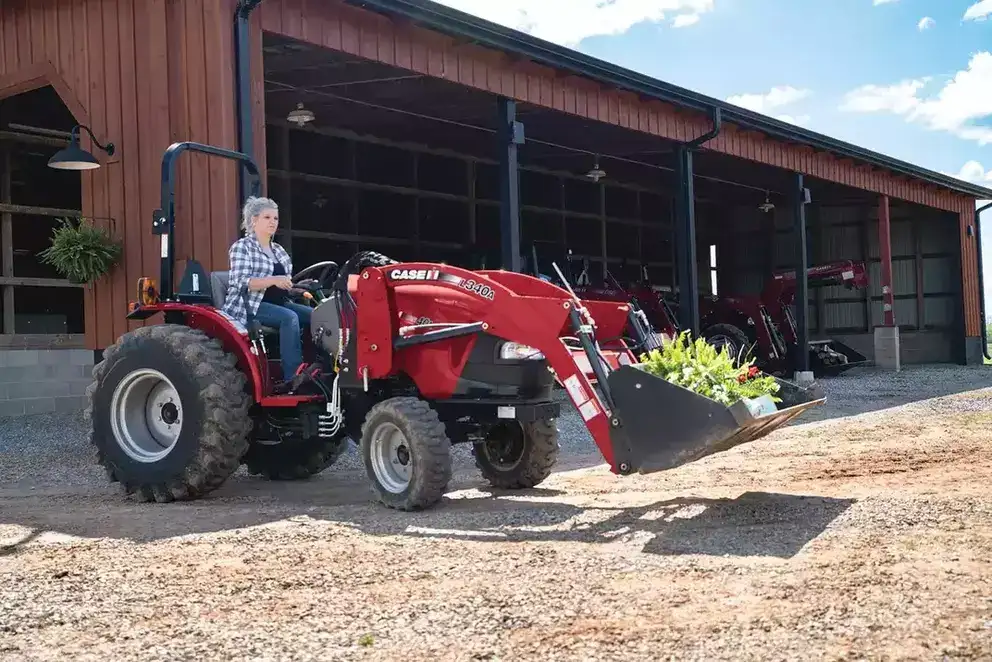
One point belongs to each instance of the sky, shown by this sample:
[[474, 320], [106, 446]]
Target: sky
[[908, 78]]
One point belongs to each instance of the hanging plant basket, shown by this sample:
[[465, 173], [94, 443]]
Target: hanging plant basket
[[80, 251]]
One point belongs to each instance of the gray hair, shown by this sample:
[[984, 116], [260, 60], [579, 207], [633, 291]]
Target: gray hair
[[253, 207]]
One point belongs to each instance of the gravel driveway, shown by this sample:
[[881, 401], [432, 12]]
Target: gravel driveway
[[846, 536]]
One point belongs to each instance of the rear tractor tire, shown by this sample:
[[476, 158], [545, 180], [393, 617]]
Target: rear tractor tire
[[516, 456], [296, 460], [734, 339], [407, 453], [168, 413]]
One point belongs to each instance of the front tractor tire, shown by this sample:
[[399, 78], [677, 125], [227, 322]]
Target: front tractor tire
[[168, 413], [407, 453], [516, 456]]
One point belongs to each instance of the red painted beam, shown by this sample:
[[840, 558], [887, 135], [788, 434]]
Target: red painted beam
[[885, 252]]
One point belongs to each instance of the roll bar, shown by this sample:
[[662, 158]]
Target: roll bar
[[164, 218]]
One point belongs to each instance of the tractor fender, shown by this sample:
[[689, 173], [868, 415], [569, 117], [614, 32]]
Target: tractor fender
[[209, 320]]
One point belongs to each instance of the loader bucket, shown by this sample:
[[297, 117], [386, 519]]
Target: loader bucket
[[663, 425], [829, 358]]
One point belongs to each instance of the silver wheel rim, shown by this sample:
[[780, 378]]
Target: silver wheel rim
[[146, 415], [392, 461]]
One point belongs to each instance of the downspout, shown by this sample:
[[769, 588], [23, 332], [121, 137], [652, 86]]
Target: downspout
[[242, 86], [981, 281], [685, 229], [711, 134]]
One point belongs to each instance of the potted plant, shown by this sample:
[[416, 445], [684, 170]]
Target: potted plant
[[80, 251], [702, 369]]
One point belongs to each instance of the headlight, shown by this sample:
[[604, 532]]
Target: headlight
[[512, 351]]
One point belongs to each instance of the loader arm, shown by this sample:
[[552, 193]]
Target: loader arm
[[848, 273], [514, 307]]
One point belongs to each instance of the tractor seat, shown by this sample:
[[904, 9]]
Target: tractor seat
[[219, 281]]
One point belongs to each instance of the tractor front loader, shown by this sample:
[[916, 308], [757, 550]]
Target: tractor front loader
[[407, 359]]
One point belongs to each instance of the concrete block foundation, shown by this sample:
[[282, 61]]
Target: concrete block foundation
[[44, 381], [887, 350]]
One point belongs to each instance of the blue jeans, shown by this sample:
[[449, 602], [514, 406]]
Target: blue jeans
[[289, 318]]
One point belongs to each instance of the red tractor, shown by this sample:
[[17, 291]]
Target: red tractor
[[408, 359], [762, 326], [765, 324]]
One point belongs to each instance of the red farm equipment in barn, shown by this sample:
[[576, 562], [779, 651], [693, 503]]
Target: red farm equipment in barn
[[762, 326], [765, 324], [406, 359]]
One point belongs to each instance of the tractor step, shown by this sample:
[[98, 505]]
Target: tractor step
[[663, 425], [491, 410]]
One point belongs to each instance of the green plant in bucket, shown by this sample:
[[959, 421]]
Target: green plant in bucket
[[80, 251], [701, 368]]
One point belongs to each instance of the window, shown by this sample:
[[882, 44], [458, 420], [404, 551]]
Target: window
[[713, 269]]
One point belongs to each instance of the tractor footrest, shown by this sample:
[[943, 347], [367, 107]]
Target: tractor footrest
[[663, 425], [494, 410]]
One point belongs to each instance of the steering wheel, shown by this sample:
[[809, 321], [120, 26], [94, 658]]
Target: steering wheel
[[303, 284], [328, 272]]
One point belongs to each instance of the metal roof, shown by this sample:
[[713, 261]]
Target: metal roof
[[450, 21]]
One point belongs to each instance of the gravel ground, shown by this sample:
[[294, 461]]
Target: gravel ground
[[863, 531]]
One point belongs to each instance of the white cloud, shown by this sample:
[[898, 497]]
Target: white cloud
[[973, 172], [685, 20], [568, 22], [883, 2], [979, 11], [957, 108], [774, 98], [800, 120], [899, 98], [925, 23]]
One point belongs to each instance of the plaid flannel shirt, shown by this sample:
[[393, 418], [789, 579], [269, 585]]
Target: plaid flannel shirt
[[248, 260]]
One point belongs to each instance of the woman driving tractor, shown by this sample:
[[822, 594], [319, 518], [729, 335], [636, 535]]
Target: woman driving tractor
[[260, 279]]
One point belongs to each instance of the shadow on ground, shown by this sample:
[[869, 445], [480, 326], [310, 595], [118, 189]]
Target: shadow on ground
[[753, 524]]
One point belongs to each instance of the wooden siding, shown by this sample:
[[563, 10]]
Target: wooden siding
[[345, 28], [142, 74]]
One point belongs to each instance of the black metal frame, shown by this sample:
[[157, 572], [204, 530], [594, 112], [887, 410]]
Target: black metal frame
[[687, 275], [242, 84], [511, 135], [164, 219], [801, 199], [981, 281]]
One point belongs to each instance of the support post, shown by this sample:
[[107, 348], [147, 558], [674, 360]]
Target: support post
[[511, 135], [6, 247], [242, 84], [803, 374], [685, 243], [887, 354]]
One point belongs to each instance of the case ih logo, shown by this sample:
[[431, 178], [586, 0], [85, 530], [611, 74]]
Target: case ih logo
[[414, 274], [478, 288]]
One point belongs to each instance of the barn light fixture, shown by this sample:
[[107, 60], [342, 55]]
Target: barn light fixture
[[300, 115], [75, 157], [596, 173], [767, 205]]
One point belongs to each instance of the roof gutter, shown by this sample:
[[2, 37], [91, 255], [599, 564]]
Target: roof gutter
[[453, 22], [242, 86], [981, 281]]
